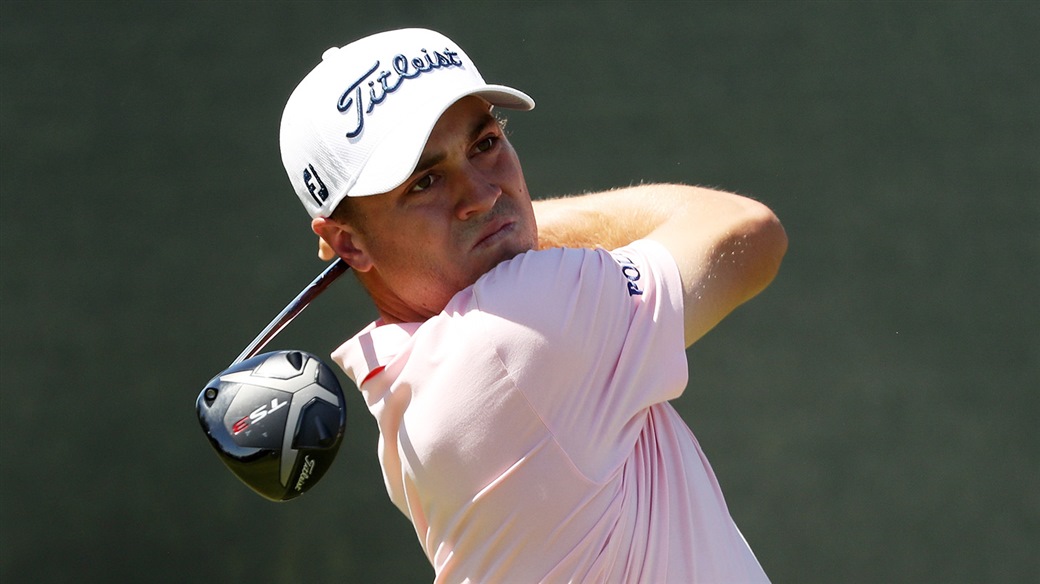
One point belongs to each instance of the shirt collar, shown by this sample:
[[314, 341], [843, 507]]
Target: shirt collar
[[372, 348]]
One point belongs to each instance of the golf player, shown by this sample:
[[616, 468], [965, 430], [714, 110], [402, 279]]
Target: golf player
[[525, 353]]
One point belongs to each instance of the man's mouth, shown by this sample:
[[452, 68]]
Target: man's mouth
[[495, 231]]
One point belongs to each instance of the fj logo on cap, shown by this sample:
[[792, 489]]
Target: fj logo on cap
[[386, 82], [314, 185]]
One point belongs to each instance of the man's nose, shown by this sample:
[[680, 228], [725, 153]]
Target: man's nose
[[478, 193]]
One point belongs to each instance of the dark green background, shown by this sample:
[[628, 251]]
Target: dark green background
[[872, 417]]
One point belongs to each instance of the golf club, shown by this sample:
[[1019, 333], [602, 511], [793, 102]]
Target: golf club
[[276, 420], [294, 308]]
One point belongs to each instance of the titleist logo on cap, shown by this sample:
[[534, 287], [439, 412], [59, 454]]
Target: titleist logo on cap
[[386, 82]]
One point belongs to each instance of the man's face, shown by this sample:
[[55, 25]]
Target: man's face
[[464, 209]]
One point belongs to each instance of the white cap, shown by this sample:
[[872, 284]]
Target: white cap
[[358, 122]]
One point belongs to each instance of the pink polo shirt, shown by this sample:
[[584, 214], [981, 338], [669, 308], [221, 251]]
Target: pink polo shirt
[[526, 430]]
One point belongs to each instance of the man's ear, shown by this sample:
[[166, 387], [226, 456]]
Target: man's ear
[[339, 239]]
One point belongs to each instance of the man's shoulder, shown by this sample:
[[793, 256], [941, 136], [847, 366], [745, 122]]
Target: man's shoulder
[[564, 270], [558, 269]]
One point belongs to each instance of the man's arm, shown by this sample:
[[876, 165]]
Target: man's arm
[[728, 248]]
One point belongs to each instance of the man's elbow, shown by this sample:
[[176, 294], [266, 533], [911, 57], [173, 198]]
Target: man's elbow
[[764, 241]]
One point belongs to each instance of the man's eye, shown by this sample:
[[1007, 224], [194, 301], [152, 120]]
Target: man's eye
[[486, 144], [423, 183]]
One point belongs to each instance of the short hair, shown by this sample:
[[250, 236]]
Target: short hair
[[347, 212]]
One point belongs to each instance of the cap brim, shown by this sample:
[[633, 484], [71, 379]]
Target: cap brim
[[393, 160]]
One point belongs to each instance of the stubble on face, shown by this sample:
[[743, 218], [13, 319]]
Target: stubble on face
[[424, 251]]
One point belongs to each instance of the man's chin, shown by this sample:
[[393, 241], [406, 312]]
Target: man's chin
[[511, 251]]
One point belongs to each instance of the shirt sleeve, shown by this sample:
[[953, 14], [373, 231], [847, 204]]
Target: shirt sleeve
[[592, 339]]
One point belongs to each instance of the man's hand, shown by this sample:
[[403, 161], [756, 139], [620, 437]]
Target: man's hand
[[325, 251]]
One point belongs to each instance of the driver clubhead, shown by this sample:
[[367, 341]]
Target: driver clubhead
[[276, 420]]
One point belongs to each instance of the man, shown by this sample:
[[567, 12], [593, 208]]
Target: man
[[521, 395]]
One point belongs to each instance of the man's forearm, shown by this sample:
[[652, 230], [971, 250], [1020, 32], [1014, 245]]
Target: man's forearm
[[608, 219], [727, 247]]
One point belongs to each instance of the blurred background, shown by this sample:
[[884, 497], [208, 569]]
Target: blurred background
[[872, 417]]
